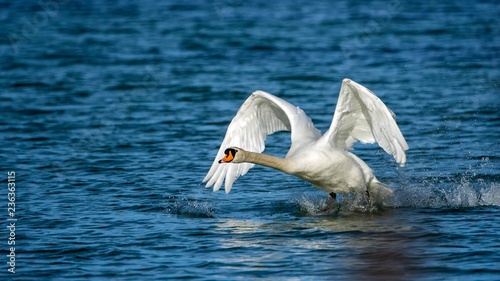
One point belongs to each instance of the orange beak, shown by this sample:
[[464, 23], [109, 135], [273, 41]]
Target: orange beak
[[227, 158]]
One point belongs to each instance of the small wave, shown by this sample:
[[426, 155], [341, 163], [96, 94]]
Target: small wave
[[188, 207]]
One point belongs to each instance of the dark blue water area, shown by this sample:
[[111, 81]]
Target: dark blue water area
[[112, 112]]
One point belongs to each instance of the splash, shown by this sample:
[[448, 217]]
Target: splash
[[461, 192], [321, 204], [309, 205], [449, 192], [188, 207]]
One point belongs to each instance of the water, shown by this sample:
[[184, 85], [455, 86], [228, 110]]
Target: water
[[112, 114]]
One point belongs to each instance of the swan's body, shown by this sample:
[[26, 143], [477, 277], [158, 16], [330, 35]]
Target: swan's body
[[322, 160]]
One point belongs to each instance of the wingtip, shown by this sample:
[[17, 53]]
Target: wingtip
[[351, 82], [205, 179], [346, 80], [402, 161], [259, 92], [216, 188]]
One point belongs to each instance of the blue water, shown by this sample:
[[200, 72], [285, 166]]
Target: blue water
[[111, 115]]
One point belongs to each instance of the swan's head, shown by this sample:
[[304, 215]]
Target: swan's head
[[232, 155]]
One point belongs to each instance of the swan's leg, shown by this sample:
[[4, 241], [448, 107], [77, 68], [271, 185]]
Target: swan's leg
[[331, 203]]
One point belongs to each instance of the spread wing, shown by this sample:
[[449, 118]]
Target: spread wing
[[260, 115], [362, 116]]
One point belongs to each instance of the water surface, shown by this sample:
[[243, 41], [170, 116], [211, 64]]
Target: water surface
[[112, 114]]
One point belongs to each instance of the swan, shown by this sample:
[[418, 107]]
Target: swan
[[322, 160]]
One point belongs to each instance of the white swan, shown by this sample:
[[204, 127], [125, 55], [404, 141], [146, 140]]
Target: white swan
[[321, 160]]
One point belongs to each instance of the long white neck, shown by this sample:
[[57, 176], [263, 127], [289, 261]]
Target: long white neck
[[267, 160]]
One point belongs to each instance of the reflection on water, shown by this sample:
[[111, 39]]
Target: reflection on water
[[362, 246], [379, 252]]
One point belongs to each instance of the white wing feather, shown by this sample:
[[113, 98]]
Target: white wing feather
[[260, 115], [360, 115]]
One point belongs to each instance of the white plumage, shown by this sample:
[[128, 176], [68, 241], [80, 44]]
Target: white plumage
[[322, 160]]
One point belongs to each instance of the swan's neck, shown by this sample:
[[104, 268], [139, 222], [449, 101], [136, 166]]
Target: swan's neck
[[267, 160]]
